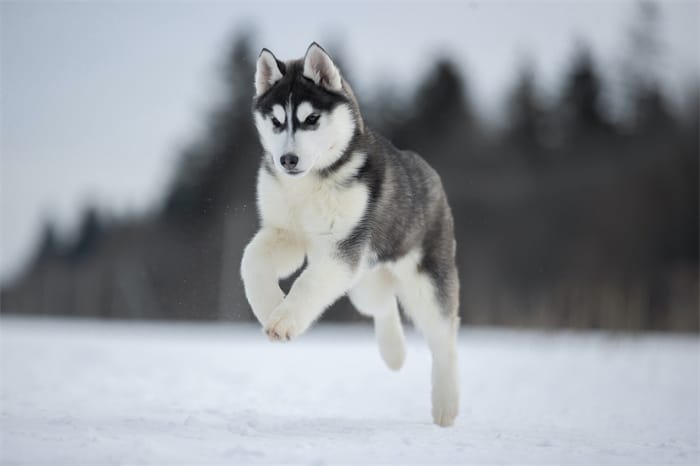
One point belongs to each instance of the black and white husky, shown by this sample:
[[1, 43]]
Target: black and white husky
[[371, 221]]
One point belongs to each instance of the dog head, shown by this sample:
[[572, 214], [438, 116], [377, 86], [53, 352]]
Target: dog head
[[305, 113]]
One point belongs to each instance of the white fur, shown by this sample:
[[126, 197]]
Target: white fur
[[325, 144], [374, 295], [317, 148], [312, 206], [272, 254], [318, 286], [279, 113], [316, 216], [304, 110]]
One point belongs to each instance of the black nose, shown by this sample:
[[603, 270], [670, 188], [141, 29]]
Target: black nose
[[289, 161]]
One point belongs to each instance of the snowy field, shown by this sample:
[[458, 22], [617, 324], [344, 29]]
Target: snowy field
[[92, 393]]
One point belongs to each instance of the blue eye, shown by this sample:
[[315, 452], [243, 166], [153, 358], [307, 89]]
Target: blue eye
[[312, 119], [276, 123]]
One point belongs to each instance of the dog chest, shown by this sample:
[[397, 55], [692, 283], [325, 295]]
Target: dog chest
[[312, 205]]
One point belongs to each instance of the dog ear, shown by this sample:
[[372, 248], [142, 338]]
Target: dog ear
[[267, 72], [319, 67]]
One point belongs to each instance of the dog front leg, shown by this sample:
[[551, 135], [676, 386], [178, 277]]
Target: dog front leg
[[319, 286], [271, 254]]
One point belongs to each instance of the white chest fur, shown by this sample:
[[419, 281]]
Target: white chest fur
[[313, 205]]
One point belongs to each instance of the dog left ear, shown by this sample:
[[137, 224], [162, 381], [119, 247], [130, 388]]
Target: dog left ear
[[319, 67]]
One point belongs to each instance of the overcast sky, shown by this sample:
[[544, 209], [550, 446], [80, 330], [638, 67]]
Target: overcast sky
[[98, 97]]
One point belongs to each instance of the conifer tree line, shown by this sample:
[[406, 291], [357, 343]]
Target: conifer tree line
[[570, 212]]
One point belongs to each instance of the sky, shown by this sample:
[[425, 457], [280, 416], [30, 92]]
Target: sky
[[97, 98]]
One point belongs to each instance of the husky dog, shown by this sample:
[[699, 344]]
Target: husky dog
[[371, 221]]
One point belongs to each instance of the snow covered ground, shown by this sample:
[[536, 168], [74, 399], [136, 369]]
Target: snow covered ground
[[93, 393]]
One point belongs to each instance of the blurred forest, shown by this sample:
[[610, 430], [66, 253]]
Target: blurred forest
[[568, 214]]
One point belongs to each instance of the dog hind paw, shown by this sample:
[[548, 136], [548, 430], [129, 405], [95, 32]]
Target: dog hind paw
[[445, 408]]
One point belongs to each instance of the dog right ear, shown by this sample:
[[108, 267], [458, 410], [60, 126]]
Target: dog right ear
[[267, 72], [319, 67]]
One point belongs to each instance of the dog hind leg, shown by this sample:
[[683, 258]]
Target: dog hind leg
[[374, 296], [439, 324]]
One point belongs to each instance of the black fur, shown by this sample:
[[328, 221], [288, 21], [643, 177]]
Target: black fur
[[301, 89]]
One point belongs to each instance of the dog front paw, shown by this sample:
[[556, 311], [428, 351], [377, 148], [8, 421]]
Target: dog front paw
[[283, 324]]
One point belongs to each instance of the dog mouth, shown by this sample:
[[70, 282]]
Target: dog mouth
[[295, 173]]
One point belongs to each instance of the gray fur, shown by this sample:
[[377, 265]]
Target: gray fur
[[408, 210]]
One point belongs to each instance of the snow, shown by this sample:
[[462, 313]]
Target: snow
[[92, 392]]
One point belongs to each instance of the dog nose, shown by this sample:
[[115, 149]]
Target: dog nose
[[289, 161]]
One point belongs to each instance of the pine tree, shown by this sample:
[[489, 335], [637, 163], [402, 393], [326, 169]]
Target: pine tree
[[581, 103], [88, 237], [526, 116], [649, 111], [49, 247], [441, 125]]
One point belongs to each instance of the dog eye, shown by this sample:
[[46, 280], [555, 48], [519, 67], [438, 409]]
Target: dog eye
[[276, 123], [312, 119]]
